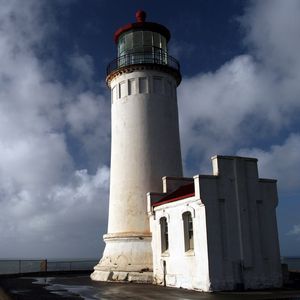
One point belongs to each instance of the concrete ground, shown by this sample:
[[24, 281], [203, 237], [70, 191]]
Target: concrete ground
[[81, 287]]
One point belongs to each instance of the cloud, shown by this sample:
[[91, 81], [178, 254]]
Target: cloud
[[88, 121], [66, 216], [282, 161], [180, 48], [295, 230], [84, 66], [55, 134], [250, 106], [272, 29], [214, 107], [53, 180], [252, 100]]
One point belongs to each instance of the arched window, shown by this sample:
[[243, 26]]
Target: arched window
[[188, 231], [164, 234]]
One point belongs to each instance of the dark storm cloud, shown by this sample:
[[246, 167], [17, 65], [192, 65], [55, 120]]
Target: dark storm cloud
[[54, 132], [48, 206]]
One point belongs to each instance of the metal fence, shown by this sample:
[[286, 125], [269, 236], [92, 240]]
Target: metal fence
[[154, 56], [32, 266], [13, 266]]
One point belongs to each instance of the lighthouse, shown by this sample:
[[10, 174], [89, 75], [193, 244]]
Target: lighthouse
[[145, 144]]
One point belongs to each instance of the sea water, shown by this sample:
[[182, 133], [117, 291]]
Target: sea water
[[14, 266], [293, 262]]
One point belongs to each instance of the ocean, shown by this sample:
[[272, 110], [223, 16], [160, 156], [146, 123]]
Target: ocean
[[14, 266], [293, 262]]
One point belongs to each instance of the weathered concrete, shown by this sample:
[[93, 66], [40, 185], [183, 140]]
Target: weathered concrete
[[235, 231], [145, 147]]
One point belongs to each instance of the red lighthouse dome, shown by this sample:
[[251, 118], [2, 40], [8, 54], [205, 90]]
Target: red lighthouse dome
[[141, 24]]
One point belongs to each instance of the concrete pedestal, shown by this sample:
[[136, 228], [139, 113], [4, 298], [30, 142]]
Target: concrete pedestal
[[127, 257]]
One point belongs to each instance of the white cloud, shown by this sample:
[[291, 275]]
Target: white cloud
[[251, 99], [67, 215], [88, 118], [295, 230], [53, 205], [282, 161], [48, 205], [250, 106], [273, 32], [83, 65], [180, 48], [36, 161], [214, 106]]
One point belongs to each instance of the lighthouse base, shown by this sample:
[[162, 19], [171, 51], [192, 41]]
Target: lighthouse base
[[126, 257]]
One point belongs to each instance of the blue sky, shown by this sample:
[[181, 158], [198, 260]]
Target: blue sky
[[240, 95]]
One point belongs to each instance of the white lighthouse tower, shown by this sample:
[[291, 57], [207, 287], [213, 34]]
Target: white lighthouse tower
[[145, 144]]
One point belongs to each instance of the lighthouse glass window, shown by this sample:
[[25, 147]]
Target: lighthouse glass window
[[142, 46], [137, 40], [129, 41], [121, 46]]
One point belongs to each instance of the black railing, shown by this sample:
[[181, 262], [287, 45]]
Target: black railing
[[22, 266], [154, 56]]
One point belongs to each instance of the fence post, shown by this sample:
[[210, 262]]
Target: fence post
[[19, 266], [43, 265]]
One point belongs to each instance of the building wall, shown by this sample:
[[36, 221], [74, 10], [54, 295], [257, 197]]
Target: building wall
[[180, 265], [241, 225], [235, 231], [145, 145]]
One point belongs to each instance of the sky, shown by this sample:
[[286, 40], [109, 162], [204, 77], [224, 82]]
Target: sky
[[240, 95]]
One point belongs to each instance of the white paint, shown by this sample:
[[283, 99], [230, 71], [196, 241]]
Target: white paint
[[235, 230], [145, 147]]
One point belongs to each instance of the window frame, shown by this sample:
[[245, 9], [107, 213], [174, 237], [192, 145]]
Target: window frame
[[164, 235], [188, 231]]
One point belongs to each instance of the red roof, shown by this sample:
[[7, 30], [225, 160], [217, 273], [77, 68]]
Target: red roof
[[185, 191], [142, 25]]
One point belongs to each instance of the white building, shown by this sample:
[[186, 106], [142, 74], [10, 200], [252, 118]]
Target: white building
[[208, 233], [143, 81], [216, 232]]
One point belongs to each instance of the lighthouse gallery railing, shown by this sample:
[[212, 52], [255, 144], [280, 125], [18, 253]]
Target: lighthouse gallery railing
[[153, 56]]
